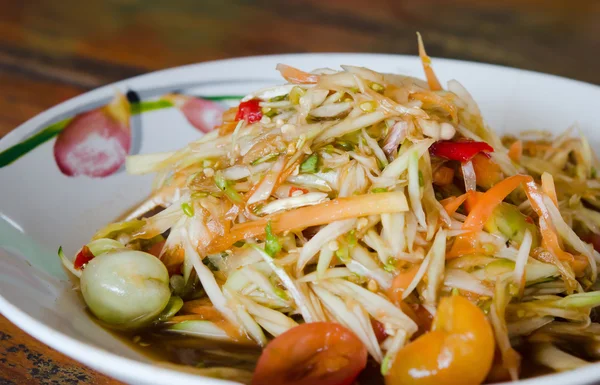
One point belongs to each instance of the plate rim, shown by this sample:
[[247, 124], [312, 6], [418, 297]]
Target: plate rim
[[110, 363]]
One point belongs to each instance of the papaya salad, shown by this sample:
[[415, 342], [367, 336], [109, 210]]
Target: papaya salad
[[356, 227]]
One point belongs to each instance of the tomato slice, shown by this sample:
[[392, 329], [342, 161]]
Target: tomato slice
[[319, 353]]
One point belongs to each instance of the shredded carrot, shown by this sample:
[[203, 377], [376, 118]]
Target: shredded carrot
[[548, 187], [515, 151], [487, 172], [296, 76], [207, 312], [443, 176], [472, 199], [453, 203], [227, 128], [468, 244], [488, 201], [403, 280], [479, 214], [432, 80], [437, 100], [323, 213], [550, 239], [579, 264]]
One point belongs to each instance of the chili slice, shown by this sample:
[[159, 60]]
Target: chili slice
[[462, 151], [249, 111], [83, 257]]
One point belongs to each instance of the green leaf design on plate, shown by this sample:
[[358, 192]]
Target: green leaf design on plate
[[18, 150]]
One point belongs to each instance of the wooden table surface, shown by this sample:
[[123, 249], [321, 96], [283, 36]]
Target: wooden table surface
[[53, 50]]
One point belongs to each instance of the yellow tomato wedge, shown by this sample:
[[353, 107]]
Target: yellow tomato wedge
[[458, 351]]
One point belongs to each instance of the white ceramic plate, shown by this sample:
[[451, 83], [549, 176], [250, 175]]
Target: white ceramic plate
[[41, 208]]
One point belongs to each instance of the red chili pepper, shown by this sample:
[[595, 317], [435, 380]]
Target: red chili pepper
[[83, 257], [293, 189], [249, 111], [461, 151]]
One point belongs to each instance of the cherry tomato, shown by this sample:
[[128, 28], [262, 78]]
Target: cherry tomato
[[320, 353], [458, 351]]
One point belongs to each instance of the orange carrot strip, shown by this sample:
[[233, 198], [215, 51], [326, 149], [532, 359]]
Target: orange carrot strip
[[480, 212], [432, 80], [472, 199], [431, 98], [323, 213], [453, 203], [490, 199], [296, 76], [550, 239], [548, 187]]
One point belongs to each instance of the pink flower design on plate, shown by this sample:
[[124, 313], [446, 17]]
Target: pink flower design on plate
[[95, 143], [203, 114]]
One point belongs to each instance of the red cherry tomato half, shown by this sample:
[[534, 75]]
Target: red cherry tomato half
[[320, 353], [249, 111]]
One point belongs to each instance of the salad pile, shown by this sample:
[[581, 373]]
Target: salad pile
[[353, 218]]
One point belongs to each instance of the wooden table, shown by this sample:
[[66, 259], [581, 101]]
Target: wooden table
[[53, 50]]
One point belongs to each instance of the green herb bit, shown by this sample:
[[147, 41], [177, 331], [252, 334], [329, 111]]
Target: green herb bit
[[386, 364], [187, 209], [352, 238], [378, 190], [345, 145], [281, 294], [390, 265], [229, 191], [421, 179], [295, 94], [265, 158], [278, 98], [455, 291], [199, 195], [309, 165], [210, 264], [272, 244], [239, 243], [343, 254], [329, 149], [269, 112]]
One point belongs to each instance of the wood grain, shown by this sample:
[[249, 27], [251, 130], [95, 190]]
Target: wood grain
[[26, 361], [53, 50]]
